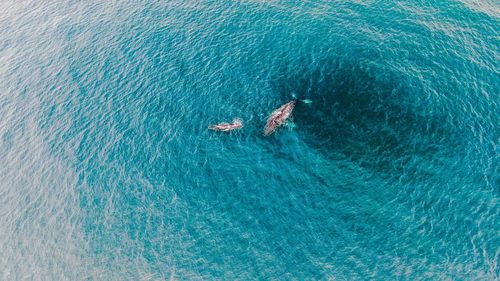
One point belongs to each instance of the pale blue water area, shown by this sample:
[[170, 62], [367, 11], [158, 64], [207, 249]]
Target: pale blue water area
[[108, 171]]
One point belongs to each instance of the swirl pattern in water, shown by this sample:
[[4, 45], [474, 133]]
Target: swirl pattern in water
[[108, 170]]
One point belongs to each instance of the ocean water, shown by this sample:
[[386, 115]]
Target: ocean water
[[108, 171]]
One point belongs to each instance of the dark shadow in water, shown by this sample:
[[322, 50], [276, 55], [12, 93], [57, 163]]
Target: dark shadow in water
[[380, 122]]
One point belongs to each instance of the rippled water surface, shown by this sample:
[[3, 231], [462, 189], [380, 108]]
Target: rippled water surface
[[108, 171]]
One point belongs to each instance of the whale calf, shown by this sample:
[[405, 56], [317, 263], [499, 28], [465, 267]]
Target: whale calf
[[278, 117], [226, 127]]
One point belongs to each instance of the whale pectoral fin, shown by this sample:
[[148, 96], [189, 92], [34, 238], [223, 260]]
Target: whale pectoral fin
[[290, 124]]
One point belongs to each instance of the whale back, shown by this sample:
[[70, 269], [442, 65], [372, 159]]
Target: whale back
[[278, 117]]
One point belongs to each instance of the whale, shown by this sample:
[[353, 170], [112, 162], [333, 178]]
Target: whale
[[278, 117], [227, 127]]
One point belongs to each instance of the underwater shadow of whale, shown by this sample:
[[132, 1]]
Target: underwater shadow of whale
[[382, 124]]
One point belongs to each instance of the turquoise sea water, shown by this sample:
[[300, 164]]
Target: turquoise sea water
[[108, 171]]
